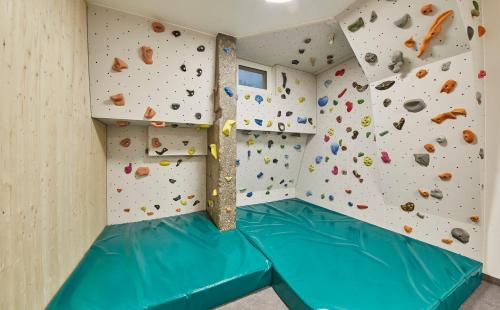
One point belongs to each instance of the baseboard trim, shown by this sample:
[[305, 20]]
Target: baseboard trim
[[491, 279]]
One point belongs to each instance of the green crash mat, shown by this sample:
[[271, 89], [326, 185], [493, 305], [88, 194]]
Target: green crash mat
[[325, 260], [181, 262]]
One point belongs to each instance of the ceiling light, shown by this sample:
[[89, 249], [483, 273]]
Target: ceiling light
[[278, 1]]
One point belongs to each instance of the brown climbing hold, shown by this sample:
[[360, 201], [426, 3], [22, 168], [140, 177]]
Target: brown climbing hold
[[410, 42], [459, 111], [421, 73], [408, 228], [158, 124], [150, 213], [147, 55], [150, 113], [427, 9], [423, 193], [348, 191], [119, 190], [429, 148], [125, 142], [119, 65], [481, 31], [158, 27], [442, 117], [474, 218], [445, 176], [122, 123], [447, 241], [126, 210], [448, 86], [155, 142], [433, 31], [142, 171], [469, 136], [118, 99]]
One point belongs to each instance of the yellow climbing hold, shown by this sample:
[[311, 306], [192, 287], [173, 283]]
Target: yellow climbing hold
[[247, 96], [267, 159], [312, 168], [214, 192], [250, 141], [330, 131], [164, 163], [228, 125], [297, 81], [191, 151], [269, 99], [246, 121], [228, 178], [143, 208], [279, 89], [368, 161], [213, 151], [366, 121], [302, 99], [184, 202], [204, 126], [330, 109], [210, 203], [269, 123]]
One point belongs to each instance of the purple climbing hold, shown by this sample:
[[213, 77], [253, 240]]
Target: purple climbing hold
[[323, 101]]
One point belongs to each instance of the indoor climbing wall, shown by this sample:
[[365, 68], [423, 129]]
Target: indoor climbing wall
[[289, 107], [144, 186], [267, 165], [143, 70]]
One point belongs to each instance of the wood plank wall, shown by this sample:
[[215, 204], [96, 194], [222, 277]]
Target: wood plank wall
[[52, 154]]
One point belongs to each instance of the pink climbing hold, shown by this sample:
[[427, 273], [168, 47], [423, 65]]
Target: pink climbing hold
[[335, 170], [342, 93], [326, 138], [481, 74], [348, 105], [385, 157], [128, 169], [340, 72]]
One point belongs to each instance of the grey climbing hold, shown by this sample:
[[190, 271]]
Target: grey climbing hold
[[387, 102], [441, 140], [422, 159], [460, 234], [414, 105], [478, 97], [403, 21], [446, 66], [437, 193], [370, 58], [397, 61], [420, 215], [328, 83], [481, 153], [355, 26], [385, 85], [470, 32], [373, 17]]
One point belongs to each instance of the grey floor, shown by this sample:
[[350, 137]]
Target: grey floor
[[486, 297]]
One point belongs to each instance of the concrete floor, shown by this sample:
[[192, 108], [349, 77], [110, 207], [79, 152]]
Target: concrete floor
[[486, 297]]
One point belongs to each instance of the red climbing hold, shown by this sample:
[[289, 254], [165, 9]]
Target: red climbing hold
[[481, 74], [362, 206], [335, 170], [348, 190], [326, 138], [342, 93], [128, 168], [348, 105], [340, 72]]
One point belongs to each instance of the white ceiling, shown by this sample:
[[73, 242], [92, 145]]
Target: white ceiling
[[238, 18]]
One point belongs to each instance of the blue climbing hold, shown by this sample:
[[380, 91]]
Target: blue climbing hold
[[229, 91], [227, 50], [258, 122], [248, 153], [259, 99], [301, 120], [331, 198], [323, 101], [309, 194], [249, 194], [237, 163], [297, 146], [335, 148], [318, 159], [259, 175], [328, 83]]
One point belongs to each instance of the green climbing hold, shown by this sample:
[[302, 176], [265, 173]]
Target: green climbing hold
[[476, 5], [335, 102], [356, 25], [361, 101], [368, 134], [383, 133], [361, 154]]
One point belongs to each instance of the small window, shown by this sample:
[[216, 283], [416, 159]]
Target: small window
[[252, 77]]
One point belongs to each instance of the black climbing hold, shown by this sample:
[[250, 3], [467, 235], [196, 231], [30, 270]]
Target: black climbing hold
[[275, 161], [190, 92], [199, 72], [371, 58], [283, 75], [399, 125], [283, 96], [373, 17], [287, 91], [183, 68], [178, 162], [281, 126], [279, 113], [301, 51], [176, 33], [200, 48], [289, 113], [307, 40], [172, 181], [385, 85], [310, 120], [270, 143], [185, 142], [197, 115], [329, 56], [387, 102], [175, 106], [196, 202], [295, 62], [460, 234], [470, 32], [162, 151], [177, 198], [157, 207]]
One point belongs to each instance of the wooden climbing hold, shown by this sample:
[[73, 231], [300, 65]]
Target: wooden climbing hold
[[158, 27], [125, 142], [408, 228], [423, 193], [448, 86], [447, 241], [427, 9], [147, 55], [445, 176], [118, 99], [475, 218], [429, 148], [158, 124], [421, 73], [155, 142], [122, 123], [150, 113], [481, 30], [433, 31], [410, 43], [469, 135], [119, 65], [142, 171]]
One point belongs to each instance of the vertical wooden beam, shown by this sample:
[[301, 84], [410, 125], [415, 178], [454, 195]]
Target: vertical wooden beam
[[221, 171]]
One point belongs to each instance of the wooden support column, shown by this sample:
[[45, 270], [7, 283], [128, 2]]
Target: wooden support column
[[221, 163]]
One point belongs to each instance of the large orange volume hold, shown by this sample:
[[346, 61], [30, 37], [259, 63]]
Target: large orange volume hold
[[433, 31]]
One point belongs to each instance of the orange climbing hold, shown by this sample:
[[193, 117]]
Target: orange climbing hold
[[142, 171], [442, 117], [429, 148], [410, 42], [408, 228], [433, 31], [421, 73], [427, 9], [469, 136], [150, 113], [447, 241], [155, 142], [158, 27], [445, 176], [158, 124], [459, 111], [178, 210], [119, 65], [125, 142], [423, 193], [118, 99], [448, 86], [122, 123], [474, 218], [481, 31], [147, 55]]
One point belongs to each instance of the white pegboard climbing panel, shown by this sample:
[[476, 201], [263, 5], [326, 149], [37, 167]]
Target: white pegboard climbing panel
[[290, 107], [175, 184], [267, 166], [178, 85], [177, 141]]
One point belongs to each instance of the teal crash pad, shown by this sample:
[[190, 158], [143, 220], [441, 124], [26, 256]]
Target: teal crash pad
[[325, 260], [181, 262]]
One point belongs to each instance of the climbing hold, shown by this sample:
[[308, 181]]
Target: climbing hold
[[312, 61], [397, 61], [128, 168], [213, 151], [162, 151], [119, 65], [281, 126], [367, 160], [342, 93], [445, 176], [229, 91], [366, 121], [442, 117], [481, 74], [362, 207], [149, 113], [427, 9], [302, 99], [383, 133], [340, 72], [297, 147], [470, 32], [323, 101], [335, 170], [423, 193], [414, 105], [348, 105], [460, 234], [373, 17], [158, 124], [155, 142], [387, 102], [260, 174], [191, 150], [318, 159], [469, 135], [408, 228], [385, 85], [301, 119], [361, 101], [118, 99], [420, 215], [355, 26], [147, 55], [328, 83], [122, 123], [446, 66], [267, 159], [421, 73], [422, 159], [408, 207], [125, 142], [481, 153], [481, 30], [183, 68], [249, 194], [228, 125], [448, 86], [311, 168], [307, 40], [176, 33], [295, 62], [330, 131], [437, 193], [402, 21], [410, 43], [250, 141], [429, 148], [370, 58], [447, 241], [258, 121], [142, 171], [334, 148], [259, 99], [399, 125], [200, 48], [474, 218], [385, 157], [433, 31], [190, 92]]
